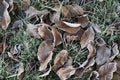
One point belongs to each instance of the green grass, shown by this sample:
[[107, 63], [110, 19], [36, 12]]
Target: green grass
[[103, 14]]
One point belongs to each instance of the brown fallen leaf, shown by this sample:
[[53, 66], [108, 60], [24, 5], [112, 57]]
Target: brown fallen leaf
[[20, 72], [68, 27], [117, 60], [69, 11], [96, 28], [4, 15], [100, 42], [25, 4], [84, 67], [83, 20], [103, 54], [10, 2], [115, 51], [44, 32], [63, 65], [3, 47], [87, 36], [91, 48], [65, 73], [57, 37], [32, 30], [31, 13], [94, 76], [106, 71], [45, 54]]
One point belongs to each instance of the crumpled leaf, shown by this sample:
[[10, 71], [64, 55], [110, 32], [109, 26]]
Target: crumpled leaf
[[44, 32], [57, 37], [71, 10], [25, 4], [44, 54], [3, 47], [94, 76], [80, 71], [73, 37], [117, 60], [31, 12], [115, 51], [91, 49], [100, 42], [83, 20], [47, 73], [4, 15], [87, 36], [69, 27], [10, 2], [106, 71], [63, 65], [96, 28], [20, 71], [33, 30], [103, 54], [65, 73]]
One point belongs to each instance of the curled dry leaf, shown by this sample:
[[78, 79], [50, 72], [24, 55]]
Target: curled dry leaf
[[103, 54], [20, 72], [57, 37], [63, 65], [100, 42], [115, 51], [106, 71], [32, 30], [69, 27], [117, 60], [83, 20], [94, 76], [87, 36], [91, 49], [31, 12], [65, 73], [25, 4], [84, 67], [45, 54], [44, 32], [10, 2], [4, 14], [69, 11]]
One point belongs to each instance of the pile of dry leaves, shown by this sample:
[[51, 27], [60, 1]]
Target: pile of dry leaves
[[63, 24]]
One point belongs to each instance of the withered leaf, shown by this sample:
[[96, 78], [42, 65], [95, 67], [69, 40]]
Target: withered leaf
[[106, 71], [57, 37], [65, 73], [44, 32], [25, 4], [63, 65], [91, 49], [117, 60], [87, 36], [69, 27], [83, 20], [71, 10], [45, 54], [31, 12], [20, 72], [115, 51], [33, 30], [4, 14], [100, 42], [10, 2], [103, 54], [3, 47], [94, 76]]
